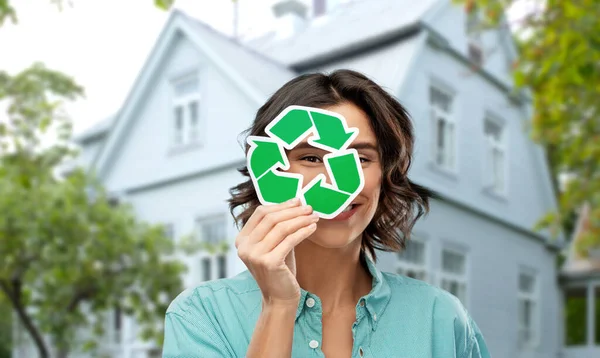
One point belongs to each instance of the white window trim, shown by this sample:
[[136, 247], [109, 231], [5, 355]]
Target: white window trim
[[534, 343], [114, 336], [214, 267], [451, 118], [463, 279], [184, 102], [426, 266], [475, 39], [488, 180]]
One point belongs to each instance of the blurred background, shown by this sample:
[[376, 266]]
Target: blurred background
[[119, 140]]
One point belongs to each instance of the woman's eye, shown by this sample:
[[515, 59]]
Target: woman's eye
[[312, 159], [364, 160]]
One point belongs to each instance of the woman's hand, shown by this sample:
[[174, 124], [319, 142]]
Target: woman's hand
[[266, 245]]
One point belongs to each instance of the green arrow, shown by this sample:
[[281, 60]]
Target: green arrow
[[324, 200], [264, 156], [291, 126], [277, 189], [344, 168], [331, 131]]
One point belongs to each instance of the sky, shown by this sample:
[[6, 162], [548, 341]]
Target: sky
[[103, 44]]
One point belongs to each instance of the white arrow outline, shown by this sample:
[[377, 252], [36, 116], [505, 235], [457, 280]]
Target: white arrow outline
[[286, 165], [272, 138]]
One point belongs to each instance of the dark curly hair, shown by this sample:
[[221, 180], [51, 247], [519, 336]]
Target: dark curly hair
[[401, 202]]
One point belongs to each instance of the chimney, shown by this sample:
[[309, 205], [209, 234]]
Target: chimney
[[290, 17], [319, 7]]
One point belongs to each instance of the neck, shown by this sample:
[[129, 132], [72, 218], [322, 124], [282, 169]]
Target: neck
[[335, 275]]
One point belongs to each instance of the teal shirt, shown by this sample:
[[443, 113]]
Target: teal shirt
[[400, 317]]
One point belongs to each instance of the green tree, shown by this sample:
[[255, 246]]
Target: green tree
[[69, 252], [5, 329], [559, 66]]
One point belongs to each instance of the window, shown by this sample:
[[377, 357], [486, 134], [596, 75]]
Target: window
[[155, 353], [169, 231], [473, 29], [412, 261], [186, 111], [582, 316], [212, 230], [495, 156], [453, 277], [596, 314], [114, 322], [528, 308], [444, 147]]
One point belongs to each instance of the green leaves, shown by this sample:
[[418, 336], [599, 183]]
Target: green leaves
[[163, 4], [559, 61], [7, 12]]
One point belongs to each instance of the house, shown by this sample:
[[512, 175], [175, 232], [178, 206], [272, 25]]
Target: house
[[172, 150], [580, 279]]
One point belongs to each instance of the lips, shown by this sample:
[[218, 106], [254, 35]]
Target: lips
[[347, 213]]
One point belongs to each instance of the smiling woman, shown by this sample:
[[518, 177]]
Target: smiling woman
[[312, 288]]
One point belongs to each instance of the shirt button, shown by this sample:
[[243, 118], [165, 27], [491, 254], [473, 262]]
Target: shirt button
[[313, 344], [375, 316], [362, 303], [310, 302], [360, 351]]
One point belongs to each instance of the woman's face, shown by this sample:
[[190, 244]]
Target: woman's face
[[308, 161]]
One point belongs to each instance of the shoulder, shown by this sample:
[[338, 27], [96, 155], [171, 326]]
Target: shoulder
[[450, 318], [442, 302], [205, 296]]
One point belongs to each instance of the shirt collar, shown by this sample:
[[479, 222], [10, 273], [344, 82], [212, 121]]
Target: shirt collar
[[375, 301]]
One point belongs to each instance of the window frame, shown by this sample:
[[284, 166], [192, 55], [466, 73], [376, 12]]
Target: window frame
[[400, 264], [462, 279], [474, 36], [449, 117], [202, 255], [489, 144], [534, 296], [184, 101]]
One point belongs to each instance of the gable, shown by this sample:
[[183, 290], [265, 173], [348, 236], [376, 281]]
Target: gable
[[450, 19], [476, 99], [213, 51], [146, 153]]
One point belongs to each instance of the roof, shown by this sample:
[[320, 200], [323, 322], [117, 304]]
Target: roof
[[263, 73], [95, 130], [575, 265], [266, 62], [362, 22]]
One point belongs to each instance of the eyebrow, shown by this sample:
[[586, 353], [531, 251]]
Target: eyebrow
[[358, 145]]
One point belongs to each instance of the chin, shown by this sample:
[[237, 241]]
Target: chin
[[332, 236]]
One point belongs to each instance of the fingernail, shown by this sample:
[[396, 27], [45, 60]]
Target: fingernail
[[308, 208], [315, 217], [293, 201]]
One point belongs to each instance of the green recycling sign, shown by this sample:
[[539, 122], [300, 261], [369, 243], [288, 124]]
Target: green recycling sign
[[328, 131]]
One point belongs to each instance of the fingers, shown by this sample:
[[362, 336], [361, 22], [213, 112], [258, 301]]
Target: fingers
[[291, 241], [261, 211], [270, 220], [283, 229]]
